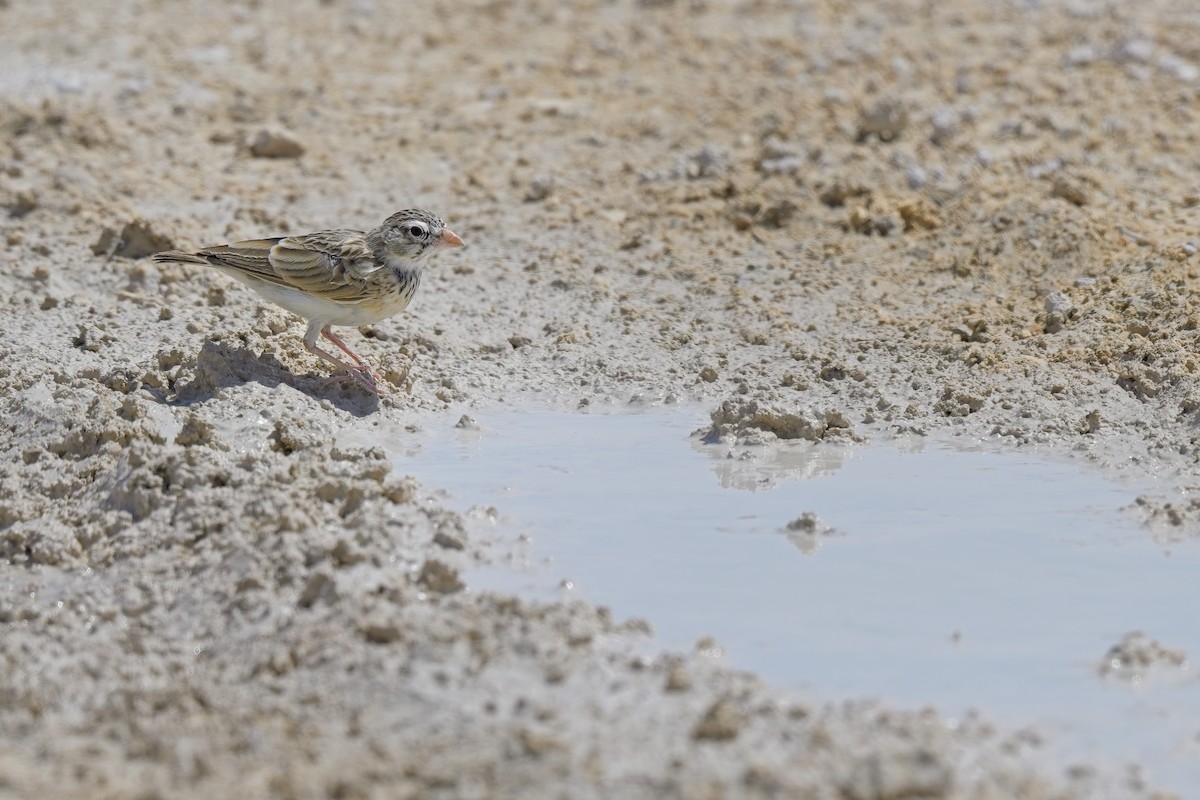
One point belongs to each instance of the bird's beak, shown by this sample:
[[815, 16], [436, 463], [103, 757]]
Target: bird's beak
[[450, 239]]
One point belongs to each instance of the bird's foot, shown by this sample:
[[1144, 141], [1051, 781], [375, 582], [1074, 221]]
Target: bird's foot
[[363, 375]]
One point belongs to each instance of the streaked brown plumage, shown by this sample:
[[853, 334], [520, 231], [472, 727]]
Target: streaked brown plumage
[[335, 277]]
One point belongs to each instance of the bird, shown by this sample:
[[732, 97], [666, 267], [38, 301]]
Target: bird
[[334, 277]]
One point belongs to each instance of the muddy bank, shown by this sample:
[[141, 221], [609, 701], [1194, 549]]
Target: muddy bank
[[825, 221]]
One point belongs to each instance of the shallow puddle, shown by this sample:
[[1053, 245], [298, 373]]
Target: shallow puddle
[[962, 579]]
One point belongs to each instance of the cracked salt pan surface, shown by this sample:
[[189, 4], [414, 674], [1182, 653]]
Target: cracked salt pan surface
[[963, 579]]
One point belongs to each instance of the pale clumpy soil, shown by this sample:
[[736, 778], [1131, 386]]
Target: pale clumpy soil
[[820, 219]]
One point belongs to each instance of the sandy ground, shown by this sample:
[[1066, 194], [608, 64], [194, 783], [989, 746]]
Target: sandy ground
[[820, 219]]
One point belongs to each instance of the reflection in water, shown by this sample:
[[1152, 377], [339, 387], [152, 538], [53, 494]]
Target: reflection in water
[[753, 468], [807, 532]]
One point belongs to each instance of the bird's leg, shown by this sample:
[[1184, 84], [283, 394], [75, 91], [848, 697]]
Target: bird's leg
[[360, 371], [345, 348]]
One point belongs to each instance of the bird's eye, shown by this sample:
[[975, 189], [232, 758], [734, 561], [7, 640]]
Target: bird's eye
[[417, 231]]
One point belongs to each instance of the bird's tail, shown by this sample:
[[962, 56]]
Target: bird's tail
[[179, 257]]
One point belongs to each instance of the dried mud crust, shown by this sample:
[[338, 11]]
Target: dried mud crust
[[831, 219]]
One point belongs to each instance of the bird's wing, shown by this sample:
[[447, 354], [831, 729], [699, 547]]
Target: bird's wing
[[326, 264], [252, 258]]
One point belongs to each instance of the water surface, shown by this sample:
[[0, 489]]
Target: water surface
[[955, 577]]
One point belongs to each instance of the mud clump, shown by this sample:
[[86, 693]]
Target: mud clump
[[275, 143], [136, 239], [1138, 654], [749, 422]]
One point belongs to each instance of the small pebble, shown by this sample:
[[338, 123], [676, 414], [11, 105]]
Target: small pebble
[[1057, 303], [540, 188], [275, 143]]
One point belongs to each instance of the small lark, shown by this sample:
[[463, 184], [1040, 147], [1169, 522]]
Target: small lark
[[338, 277]]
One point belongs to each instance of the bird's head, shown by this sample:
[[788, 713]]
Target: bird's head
[[414, 235]]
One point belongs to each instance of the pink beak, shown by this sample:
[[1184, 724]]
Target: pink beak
[[450, 239]]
